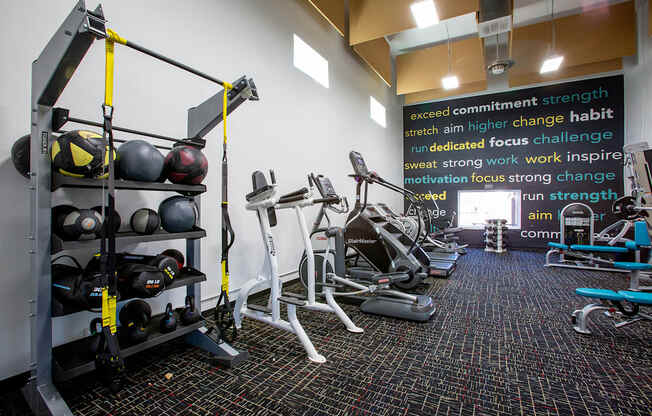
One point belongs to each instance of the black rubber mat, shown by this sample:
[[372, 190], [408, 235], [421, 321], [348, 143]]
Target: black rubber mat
[[501, 343]]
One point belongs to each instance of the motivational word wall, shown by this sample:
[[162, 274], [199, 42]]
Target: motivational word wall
[[538, 149]]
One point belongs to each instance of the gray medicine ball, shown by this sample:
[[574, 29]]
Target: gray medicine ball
[[145, 221], [178, 214], [138, 160]]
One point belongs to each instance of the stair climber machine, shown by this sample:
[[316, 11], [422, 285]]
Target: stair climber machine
[[371, 290], [265, 202], [383, 246], [409, 226]]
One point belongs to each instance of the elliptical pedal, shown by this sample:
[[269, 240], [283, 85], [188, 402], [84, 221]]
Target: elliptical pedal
[[331, 285], [260, 308], [292, 301], [300, 296]]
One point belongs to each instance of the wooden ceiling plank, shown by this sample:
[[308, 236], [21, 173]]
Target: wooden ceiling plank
[[596, 36], [376, 53], [423, 69], [518, 80], [333, 11], [436, 94]]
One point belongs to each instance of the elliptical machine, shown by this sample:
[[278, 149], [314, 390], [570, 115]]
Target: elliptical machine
[[264, 201], [382, 245], [371, 290]]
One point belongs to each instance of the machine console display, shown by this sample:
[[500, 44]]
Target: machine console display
[[325, 187], [359, 166]]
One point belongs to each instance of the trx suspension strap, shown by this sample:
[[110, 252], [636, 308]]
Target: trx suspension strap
[[223, 310], [108, 360]]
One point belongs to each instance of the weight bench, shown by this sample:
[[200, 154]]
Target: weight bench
[[585, 259], [586, 252], [611, 304]]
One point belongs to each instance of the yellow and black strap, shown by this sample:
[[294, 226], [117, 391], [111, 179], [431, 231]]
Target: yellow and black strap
[[223, 310], [108, 360]]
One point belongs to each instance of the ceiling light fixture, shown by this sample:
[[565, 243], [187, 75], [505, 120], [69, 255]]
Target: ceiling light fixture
[[425, 13], [450, 81], [553, 60], [551, 64]]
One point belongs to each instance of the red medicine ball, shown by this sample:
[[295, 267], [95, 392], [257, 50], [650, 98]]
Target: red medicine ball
[[186, 165]]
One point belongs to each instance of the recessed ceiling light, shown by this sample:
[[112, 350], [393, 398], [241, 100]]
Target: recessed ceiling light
[[450, 82], [551, 64], [425, 13]]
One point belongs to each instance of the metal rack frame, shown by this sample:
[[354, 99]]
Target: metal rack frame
[[51, 72]]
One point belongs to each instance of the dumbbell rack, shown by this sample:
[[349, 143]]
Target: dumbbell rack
[[494, 236], [50, 75]]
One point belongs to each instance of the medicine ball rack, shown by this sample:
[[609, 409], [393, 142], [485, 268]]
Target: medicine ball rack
[[51, 72]]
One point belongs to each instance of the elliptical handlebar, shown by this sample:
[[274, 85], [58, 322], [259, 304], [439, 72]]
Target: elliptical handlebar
[[328, 201]]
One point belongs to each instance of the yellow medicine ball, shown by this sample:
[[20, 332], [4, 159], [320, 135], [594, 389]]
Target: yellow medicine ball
[[81, 154]]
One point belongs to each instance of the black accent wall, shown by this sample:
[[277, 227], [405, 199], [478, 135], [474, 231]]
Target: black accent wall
[[557, 144]]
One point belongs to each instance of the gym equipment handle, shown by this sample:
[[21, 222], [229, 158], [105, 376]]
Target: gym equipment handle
[[286, 199], [330, 200], [299, 192]]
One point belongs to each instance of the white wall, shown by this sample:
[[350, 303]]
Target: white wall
[[297, 127]]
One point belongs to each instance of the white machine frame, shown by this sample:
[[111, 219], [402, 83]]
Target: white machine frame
[[330, 305], [268, 278]]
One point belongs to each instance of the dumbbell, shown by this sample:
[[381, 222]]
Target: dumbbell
[[491, 244], [167, 262]]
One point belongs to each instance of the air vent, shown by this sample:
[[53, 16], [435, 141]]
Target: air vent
[[495, 26]]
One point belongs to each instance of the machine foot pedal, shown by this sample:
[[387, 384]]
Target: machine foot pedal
[[332, 285], [260, 308], [294, 295], [292, 301]]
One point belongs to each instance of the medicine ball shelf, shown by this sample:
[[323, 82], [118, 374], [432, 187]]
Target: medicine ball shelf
[[127, 238], [51, 72], [187, 276], [62, 181], [72, 359]]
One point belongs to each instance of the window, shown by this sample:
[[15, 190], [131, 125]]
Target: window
[[377, 112], [307, 60], [474, 207]]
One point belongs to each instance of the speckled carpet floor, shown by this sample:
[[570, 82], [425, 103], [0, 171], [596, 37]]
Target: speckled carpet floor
[[501, 343]]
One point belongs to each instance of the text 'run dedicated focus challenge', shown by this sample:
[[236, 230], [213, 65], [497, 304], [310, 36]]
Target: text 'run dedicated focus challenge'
[[520, 155]]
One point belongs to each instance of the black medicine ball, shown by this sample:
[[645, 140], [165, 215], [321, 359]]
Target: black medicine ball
[[139, 160], [71, 223], [81, 154], [186, 165], [145, 221], [178, 214], [20, 155]]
